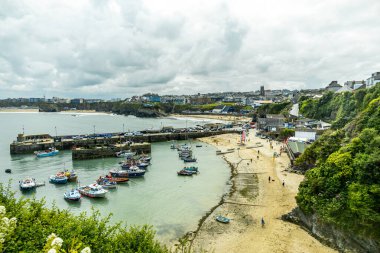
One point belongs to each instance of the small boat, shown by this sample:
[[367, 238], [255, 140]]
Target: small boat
[[73, 195], [28, 184], [142, 165], [222, 219], [59, 178], [132, 171], [118, 180], [46, 153], [125, 154], [192, 169], [72, 176], [93, 191], [189, 160], [198, 146], [8, 171], [184, 173], [105, 183]]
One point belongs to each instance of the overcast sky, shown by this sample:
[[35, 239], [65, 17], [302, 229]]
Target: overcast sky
[[108, 49]]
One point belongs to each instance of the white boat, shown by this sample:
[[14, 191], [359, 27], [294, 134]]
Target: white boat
[[125, 154], [93, 191], [73, 195], [28, 184]]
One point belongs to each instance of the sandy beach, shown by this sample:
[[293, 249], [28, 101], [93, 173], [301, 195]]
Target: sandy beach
[[226, 117], [254, 197]]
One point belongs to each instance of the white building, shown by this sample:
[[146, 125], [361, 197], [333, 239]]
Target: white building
[[374, 79], [308, 135]]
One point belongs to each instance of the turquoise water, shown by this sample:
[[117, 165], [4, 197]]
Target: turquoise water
[[172, 204]]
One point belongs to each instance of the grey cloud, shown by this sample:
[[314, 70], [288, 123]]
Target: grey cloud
[[102, 48]]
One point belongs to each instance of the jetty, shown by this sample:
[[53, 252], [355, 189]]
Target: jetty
[[103, 143]]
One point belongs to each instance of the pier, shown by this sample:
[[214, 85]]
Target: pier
[[29, 143]]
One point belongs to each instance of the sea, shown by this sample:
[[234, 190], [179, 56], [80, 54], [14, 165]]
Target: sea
[[171, 204]]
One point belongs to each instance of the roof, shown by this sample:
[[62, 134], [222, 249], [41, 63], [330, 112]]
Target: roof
[[344, 89], [297, 147]]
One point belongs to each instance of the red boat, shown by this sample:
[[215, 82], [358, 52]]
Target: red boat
[[118, 180]]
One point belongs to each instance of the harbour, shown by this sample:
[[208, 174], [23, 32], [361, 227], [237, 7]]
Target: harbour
[[146, 200]]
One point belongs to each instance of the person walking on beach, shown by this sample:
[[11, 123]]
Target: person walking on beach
[[262, 222], [283, 183], [269, 179]]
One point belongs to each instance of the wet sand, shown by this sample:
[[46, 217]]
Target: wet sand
[[254, 197]]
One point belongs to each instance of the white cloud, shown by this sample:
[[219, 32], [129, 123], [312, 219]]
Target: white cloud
[[120, 48]]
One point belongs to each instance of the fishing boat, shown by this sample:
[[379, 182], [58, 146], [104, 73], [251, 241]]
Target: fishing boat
[[184, 173], [132, 171], [72, 176], [105, 183], [189, 160], [192, 169], [46, 153], [93, 191], [73, 195], [222, 219], [125, 154], [59, 178], [118, 180], [28, 184]]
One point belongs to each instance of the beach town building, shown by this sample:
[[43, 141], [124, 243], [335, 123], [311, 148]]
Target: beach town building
[[307, 134], [270, 124], [333, 86], [373, 79], [345, 88]]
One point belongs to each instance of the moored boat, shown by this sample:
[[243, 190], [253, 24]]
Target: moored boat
[[59, 178], [125, 154], [189, 160], [192, 169], [73, 195], [184, 173], [118, 180], [93, 191], [46, 153], [72, 176], [106, 183], [28, 184], [132, 171], [8, 171]]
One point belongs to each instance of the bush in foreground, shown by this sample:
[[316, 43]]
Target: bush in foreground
[[35, 223]]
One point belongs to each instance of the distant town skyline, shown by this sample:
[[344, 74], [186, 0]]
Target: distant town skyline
[[112, 49]]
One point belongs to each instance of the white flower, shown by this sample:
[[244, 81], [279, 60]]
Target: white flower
[[52, 251], [86, 250], [13, 220], [57, 242], [52, 236], [3, 210], [5, 221]]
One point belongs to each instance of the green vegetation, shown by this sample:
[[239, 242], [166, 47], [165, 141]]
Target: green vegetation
[[35, 223], [286, 133], [344, 186], [338, 108], [275, 108]]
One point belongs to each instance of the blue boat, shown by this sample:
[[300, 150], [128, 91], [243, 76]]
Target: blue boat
[[58, 179], [189, 160], [46, 153], [222, 219]]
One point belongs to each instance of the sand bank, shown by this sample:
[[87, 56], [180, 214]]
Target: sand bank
[[253, 196]]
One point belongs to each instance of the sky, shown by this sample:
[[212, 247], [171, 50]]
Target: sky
[[108, 49]]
